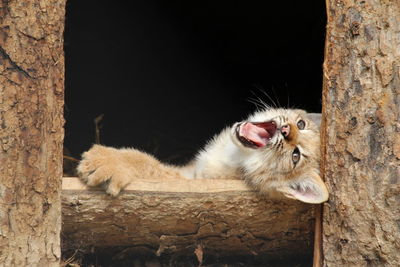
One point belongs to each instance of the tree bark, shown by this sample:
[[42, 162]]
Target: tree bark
[[169, 216], [361, 133], [31, 135]]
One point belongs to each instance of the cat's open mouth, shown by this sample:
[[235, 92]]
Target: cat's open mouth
[[255, 134]]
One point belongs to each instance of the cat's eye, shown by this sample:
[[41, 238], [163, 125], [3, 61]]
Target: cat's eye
[[301, 124], [296, 156]]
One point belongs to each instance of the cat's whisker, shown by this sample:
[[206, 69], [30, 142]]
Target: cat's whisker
[[260, 101], [255, 102], [260, 105], [276, 97], [268, 96]]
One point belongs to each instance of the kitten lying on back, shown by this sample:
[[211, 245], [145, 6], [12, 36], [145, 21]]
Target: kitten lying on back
[[273, 150]]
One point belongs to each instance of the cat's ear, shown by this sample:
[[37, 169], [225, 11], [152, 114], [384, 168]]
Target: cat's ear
[[315, 117], [308, 188]]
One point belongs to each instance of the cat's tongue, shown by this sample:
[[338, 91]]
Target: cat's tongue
[[258, 135]]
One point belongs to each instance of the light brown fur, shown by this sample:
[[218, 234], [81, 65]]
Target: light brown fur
[[269, 168]]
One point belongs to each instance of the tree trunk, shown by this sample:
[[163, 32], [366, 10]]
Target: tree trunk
[[31, 135], [361, 133], [167, 216]]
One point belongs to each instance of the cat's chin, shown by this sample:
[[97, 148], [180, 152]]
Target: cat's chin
[[255, 134]]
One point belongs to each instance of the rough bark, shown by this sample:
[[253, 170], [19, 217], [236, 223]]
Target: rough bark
[[175, 216], [361, 133], [31, 135]]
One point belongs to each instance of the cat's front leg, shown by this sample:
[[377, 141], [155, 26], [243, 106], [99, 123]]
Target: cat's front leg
[[114, 168]]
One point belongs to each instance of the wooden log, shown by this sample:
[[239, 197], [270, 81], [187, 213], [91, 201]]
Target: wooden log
[[31, 135], [361, 134], [164, 216]]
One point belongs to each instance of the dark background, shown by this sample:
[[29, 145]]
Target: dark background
[[168, 75]]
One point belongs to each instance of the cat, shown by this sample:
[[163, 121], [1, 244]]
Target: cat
[[274, 150]]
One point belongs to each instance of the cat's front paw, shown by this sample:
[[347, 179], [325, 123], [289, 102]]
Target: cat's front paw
[[103, 165]]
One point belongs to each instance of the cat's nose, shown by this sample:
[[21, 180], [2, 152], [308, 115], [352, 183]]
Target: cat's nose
[[285, 130]]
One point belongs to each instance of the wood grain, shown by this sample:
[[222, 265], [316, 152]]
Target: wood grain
[[174, 216], [361, 134]]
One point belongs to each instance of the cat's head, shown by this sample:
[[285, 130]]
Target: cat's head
[[281, 149]]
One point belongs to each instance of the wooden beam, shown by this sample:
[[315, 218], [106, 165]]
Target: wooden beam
[[165, 216]]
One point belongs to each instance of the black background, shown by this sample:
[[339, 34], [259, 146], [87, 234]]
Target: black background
[[168, 75]]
